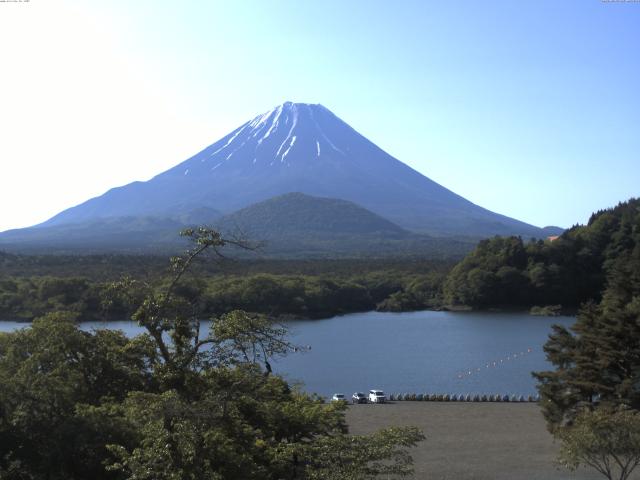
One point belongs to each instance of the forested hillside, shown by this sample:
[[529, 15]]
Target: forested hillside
[[572, 269]]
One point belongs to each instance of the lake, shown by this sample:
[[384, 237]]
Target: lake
[[413, 352]]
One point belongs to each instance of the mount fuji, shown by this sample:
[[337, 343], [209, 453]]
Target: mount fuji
[[295, 147]]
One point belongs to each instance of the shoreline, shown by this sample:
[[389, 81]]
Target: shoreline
[[292, 317]]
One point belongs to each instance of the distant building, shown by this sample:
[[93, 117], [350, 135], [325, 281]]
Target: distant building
[[553, 238]]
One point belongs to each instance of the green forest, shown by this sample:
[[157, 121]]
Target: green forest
[[311, 289], [567, 271]]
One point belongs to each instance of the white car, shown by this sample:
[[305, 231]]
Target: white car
[[377, 396], [338, 397], [359, 397]]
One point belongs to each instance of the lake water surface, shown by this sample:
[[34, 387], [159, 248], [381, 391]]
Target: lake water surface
[[417, 352]]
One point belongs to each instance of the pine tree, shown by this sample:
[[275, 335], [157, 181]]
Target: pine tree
[[597, 361]]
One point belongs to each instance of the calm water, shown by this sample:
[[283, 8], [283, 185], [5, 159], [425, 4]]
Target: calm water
[[434, 352]]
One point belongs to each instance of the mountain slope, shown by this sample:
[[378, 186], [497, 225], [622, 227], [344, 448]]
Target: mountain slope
[[293, 225], [299, 148], [140, 234]]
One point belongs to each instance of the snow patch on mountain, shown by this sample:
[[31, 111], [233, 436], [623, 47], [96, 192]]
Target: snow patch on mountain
[[294, 122], [293, 140], [275, 134], [274, 124], [323, 134], [230, 140]]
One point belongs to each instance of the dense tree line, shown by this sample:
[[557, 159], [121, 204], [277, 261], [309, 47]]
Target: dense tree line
[[93, 267], [27, 298], [111, 267], [176, 402], [312, 295], [568, 271], [315, 296]]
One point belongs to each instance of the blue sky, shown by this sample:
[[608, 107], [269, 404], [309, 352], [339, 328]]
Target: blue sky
[[530, 109]]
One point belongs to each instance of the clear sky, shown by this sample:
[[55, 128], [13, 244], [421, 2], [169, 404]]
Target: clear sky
[[528, 108]]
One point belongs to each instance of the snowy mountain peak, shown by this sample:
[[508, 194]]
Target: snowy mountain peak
[[299, 147], [290, 132]]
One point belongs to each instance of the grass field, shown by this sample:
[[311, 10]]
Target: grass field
[[479, 441]]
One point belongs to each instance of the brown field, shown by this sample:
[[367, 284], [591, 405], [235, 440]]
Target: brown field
[[479, 441]]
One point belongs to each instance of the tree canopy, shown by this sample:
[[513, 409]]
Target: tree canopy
[[176, 402], [568, 271], [597, 360], [605, 440]]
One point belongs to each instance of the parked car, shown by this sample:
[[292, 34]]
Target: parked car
[[359, 397], [377, 396], [338, 397]]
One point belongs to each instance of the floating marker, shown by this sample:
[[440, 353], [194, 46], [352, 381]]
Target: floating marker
[[514, 356]]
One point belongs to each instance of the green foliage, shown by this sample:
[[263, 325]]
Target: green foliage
[[608, 441], [419, 292], [490, 275], [26, 298], [567, 271], [237, 428], [46, 372], [599, 362], [174, 403], [546, 311], [292, 295], [598, 359], [322, 289], [385, 453]]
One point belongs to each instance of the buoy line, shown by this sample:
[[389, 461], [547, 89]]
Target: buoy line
[[492, 364]]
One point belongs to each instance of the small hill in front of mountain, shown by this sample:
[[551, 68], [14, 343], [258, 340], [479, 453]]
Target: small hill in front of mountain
[[295, 214], [292, 225], [296, 224]]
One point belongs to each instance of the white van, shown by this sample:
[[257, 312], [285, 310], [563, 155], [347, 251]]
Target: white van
[[377, 396]]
